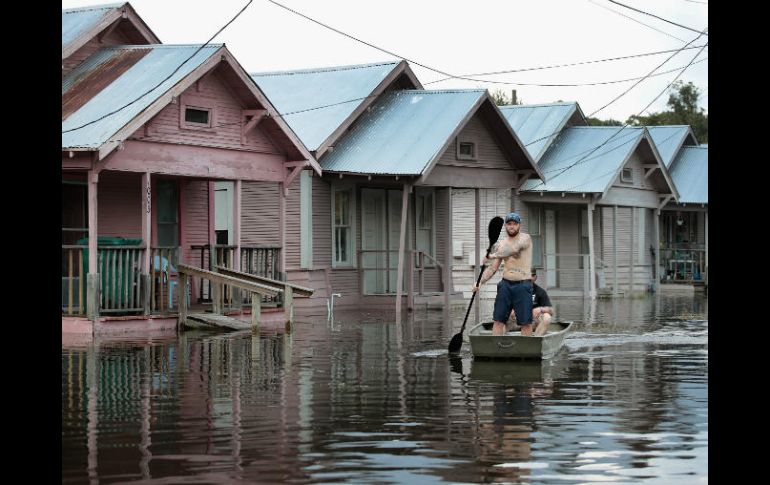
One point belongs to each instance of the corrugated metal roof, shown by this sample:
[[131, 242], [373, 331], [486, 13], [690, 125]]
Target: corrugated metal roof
[[537, 124], [690, 173], [597, 170], [75, 21], [335, 91], [402, 132], [149, 70], [668, 139]]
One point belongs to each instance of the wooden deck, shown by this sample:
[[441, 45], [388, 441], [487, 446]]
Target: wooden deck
[[212, 320]]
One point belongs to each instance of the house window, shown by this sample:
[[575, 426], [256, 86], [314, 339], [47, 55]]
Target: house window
[[627, 175], [343, 230], [536, 235], [197, 116], [466, 149], [424, 208]]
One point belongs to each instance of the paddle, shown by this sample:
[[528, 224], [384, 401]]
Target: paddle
[[495, 226]]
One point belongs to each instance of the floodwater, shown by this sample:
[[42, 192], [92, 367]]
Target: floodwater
[[365, 400]]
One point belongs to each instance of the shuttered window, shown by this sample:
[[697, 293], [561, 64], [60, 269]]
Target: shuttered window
[[343, 226]]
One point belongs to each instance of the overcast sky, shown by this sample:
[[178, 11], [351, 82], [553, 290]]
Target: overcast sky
[[460, 38]]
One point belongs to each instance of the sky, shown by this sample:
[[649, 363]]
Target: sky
[[462, 38]]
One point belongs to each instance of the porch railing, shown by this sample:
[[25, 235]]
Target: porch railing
[[164, 279], [73, 281], [682, 263], [255, 259]]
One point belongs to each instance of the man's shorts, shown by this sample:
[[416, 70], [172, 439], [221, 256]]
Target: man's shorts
[[515, 295]]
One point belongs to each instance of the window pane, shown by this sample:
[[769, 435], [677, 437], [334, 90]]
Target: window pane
[[168, 234], [534, 220], [192, 115], [537, 258]]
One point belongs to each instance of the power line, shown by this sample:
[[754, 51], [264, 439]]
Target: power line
[[640, 112], [653, 15], [637, 21], [554, 66], [165, 79]]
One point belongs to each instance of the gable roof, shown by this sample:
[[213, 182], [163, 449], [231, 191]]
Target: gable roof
[[571, 165], [114, 77], [537, 125], [670, 138], [319, 104], [405, 132], [690, 173], [79, 25]]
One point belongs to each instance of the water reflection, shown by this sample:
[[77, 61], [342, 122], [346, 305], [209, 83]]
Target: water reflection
[[362, 399]]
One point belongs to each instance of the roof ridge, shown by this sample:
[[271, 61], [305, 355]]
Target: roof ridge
[[539, 105], [438, 91], [106, 6], [157, 46], [348, 67]]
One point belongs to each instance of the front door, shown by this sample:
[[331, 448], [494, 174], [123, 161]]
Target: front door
[[380, 228], [168, 213]]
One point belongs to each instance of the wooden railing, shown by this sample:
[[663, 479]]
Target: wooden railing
[[257, 260], [73, 280], [419, 266], [164, 279]]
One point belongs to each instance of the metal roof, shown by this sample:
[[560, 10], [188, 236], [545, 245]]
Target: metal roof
[[402, 132], [690, 173], [75, 21], [668, 139], [592, 173], [158, 63], [538, 124], [326, 96]]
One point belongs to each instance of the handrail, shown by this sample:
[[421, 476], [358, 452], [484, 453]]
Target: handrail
[[279, 285], [435, 261], [229, 280]]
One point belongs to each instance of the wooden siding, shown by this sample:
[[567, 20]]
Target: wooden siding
[[227, 120], [259, 213], [116, 37], [488, 152], [119, 209], [195, 215]]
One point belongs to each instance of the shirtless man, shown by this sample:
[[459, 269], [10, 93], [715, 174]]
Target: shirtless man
[[514, 291]]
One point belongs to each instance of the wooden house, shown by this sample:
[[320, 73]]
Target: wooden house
[[147, 130], [683, 222], [381, 214]]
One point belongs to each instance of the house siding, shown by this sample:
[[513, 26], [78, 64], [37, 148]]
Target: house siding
[[119, 211], [227, 121], [195, 217], [489, 154], [259, 214]]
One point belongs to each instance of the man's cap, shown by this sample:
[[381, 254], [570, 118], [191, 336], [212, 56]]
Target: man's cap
[[533, 272], [513, 216]]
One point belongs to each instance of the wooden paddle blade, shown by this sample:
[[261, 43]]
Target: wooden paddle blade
[[495, 226], [456, 343]]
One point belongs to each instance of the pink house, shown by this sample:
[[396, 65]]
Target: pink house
[[148, 133]]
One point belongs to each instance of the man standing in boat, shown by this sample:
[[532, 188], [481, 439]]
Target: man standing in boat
[[514, 291]]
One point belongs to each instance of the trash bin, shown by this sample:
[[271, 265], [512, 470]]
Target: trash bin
[[111, 286]]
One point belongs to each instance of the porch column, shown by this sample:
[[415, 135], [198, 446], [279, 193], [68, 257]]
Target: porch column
[[401, 248], [282, 226], [706, 229], [478, 252], [146, 237], [237, 298], [93, 248], [591, 261], [656, 272], [631, 255], [615, 250], [448, 250]]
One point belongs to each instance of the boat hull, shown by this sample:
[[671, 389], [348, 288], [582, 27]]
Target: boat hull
[[513, 345]]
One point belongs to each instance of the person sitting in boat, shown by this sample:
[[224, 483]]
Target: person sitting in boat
[[514, 291], [542, 310]]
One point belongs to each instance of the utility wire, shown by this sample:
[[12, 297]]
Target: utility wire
[[640, 112], [554, 66], [653, 15], [165, 79], [637, 21]]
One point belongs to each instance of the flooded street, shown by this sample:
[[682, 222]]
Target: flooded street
[[365, 400]]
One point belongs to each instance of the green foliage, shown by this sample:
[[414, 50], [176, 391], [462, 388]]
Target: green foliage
[[501, 98], [683, 110], [598, 122]]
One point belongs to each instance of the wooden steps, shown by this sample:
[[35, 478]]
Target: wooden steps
[[213, 320]]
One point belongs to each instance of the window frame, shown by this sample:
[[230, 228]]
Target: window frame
[[352, 261], [462, 140], [627, 175], [186, 102]]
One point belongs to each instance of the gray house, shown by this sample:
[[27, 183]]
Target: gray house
[[684, 222], [380, 214]]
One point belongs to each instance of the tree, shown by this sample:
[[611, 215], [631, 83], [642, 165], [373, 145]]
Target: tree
[[683, 110], [598, 122], [501, 98]]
